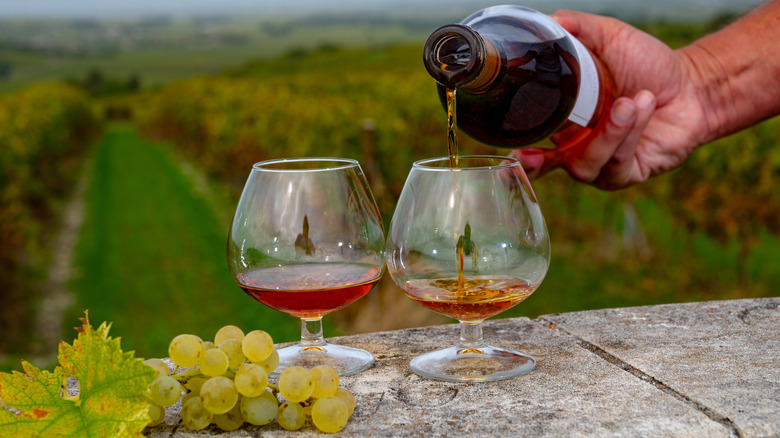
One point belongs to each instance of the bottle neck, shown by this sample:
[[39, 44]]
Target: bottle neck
[[456, 56]]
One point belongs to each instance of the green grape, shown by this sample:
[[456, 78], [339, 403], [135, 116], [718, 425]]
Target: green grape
[[159, 365], [348, 398], [195, 383], [230, 420], [257, 345], [185, 350], [326, 381], [232, 348], [213, 362], [188, 396], [218, 395], [194, 415], [251, 380], [259, 410], [156, 414], [329, 414], [228, 332], [164, 391], [296, 384], [271, 362], [290, 416], [207, 345]]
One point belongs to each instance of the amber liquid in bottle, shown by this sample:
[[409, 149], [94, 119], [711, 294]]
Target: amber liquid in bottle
[[518, 76], [524, 107]]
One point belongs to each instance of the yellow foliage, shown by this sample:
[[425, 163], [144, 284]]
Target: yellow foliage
[[44, 130]]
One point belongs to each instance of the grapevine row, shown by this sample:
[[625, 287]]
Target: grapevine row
[[44, 132]]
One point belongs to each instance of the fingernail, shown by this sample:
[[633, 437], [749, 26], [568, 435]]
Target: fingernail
[[622, 113], [530, 159], [645, 100]]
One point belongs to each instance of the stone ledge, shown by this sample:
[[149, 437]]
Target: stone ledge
[[696, 369]]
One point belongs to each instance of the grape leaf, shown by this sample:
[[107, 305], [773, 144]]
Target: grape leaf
[[110, 402]]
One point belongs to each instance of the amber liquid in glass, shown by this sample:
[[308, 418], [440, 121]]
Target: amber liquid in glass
[[472, 300], [309, 290]]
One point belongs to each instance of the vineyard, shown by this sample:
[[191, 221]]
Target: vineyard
[[689, 235], [45, 133], [705, 231]]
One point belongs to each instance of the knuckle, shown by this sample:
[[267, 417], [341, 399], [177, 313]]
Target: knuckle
[[582, 172]]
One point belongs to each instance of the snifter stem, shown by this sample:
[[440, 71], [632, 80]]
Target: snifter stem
[[311, 333], [313, 351], [471, 336]]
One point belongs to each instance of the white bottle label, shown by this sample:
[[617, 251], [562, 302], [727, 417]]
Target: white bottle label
[[588, 93]]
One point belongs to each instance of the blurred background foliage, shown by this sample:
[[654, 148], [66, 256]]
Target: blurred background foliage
[[154, 159]]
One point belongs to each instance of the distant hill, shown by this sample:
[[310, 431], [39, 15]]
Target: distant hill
[[690, 10]]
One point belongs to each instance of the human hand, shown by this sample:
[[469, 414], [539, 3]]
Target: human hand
[[654, 124]]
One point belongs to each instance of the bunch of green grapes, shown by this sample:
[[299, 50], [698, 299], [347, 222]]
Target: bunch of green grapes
[[315, 393], [225, 382]]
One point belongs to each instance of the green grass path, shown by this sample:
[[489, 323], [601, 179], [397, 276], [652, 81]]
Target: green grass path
[[151, 256]]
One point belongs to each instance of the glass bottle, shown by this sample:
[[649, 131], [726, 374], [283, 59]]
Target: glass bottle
[[520, 78]]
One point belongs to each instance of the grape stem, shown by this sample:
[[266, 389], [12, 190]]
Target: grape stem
[[186, 375], [191, 373]]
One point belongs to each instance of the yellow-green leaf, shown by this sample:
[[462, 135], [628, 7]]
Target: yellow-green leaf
[[110, 402]]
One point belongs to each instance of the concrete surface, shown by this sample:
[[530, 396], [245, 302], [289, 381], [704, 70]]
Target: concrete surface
[[708, 369]]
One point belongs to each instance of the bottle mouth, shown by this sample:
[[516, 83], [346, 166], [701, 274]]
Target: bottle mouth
[[454, 55]]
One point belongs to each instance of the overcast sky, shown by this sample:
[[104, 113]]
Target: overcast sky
[[103, 8]]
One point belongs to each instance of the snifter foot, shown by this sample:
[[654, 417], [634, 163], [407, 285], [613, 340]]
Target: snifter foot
[[345, 360], [486, 364]]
